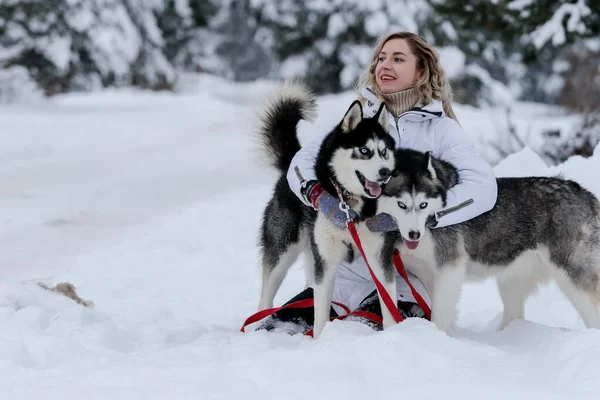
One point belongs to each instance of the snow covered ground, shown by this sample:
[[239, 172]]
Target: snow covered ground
[[150, 205]]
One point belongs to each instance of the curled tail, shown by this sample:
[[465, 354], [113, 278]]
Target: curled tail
[[291, 102]]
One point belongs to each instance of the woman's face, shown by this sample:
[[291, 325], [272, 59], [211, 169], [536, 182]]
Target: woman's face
[[396, 68]]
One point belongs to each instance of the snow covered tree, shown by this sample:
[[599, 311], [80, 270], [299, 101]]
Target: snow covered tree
[[201, 48], [176, 22], [202, 12], [243, 51], [228, 41], [84, 44], [545, 50], [580, 94], [519, 41], [566, 35], [150, 66], [328, 43]]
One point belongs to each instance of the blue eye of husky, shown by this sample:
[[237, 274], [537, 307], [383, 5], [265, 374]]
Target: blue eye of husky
[[423, 205], [383, 152], [364, 150], [402, 205]]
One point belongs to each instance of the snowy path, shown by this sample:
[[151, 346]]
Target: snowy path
[[150, 205]]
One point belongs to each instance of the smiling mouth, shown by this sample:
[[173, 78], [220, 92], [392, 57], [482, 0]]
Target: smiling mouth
[[387, 78], [372, 189]]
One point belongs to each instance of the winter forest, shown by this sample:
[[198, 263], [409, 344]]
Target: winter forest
[[129, 182], [494, 51]]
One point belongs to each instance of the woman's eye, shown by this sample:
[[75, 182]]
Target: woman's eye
[[398, 59]]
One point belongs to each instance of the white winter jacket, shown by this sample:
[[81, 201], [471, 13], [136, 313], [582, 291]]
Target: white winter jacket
[[424, 128]]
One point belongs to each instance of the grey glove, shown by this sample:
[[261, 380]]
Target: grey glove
[[328, 205], [382, 223]]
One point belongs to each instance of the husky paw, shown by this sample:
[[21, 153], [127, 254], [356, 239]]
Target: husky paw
[[505, 323], [388, 322]]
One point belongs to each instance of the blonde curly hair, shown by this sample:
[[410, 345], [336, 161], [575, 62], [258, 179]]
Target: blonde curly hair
[[431, 85]]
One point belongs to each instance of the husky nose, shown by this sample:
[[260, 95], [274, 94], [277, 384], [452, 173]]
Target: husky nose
[[414, 235], [385, 173]]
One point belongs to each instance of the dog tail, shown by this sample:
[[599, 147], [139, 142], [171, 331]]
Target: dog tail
[[292, 102]]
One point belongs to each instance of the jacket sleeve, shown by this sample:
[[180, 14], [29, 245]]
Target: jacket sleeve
[[305, 160], [476, 179]]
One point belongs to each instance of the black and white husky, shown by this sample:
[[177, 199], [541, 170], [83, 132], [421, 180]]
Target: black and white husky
[[540, 228], [357, 156]]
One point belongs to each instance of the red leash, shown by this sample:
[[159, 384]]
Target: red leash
[[296, 304], [387, 300], [402, 271]]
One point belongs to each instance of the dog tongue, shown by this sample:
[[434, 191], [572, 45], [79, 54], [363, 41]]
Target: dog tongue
[[410, 244], [373, 187]]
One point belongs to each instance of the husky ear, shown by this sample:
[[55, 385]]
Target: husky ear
[[430, 168], [383, 117], [397, 184], [353, 117]]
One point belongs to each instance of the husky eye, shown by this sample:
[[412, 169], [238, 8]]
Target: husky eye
[[364, 150], [423, 205], [384, 154], [402, 205]]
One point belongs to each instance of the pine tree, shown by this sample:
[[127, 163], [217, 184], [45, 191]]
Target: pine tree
[[244, 56], [68, 45], [534, 33], [329, 43], [202, 12]]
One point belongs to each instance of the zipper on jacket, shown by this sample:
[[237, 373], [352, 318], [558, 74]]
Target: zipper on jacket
[[458, 207], [397, 119], [412, 111], [398, 130]]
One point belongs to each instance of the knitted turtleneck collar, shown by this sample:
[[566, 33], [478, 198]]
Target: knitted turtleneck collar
[[400, 102]]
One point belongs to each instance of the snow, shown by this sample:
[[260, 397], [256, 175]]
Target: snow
[[149, 203], [56, 49], [16, 85], [449, 31], [376, 24], [553, 28], [452, 60], [354, 58], [294, 66], [519, 4], [496, 92], [115, 49], [336, 25]]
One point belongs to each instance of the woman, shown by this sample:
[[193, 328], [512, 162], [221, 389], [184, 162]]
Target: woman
[[406, 74]]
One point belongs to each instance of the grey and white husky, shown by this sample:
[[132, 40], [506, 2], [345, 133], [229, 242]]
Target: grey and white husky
[[540, 228], [357, 156]]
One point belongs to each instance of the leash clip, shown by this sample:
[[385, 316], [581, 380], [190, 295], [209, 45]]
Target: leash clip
[[346, 210]]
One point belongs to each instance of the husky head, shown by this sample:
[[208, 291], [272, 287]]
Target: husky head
[[358, 155], [416, 191]]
